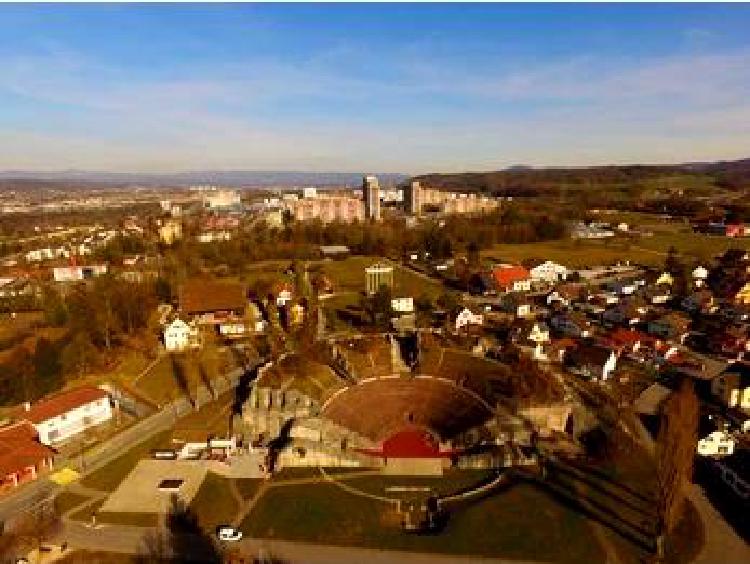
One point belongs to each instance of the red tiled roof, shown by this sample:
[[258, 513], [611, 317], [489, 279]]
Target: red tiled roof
[[198, 296], [507, 274], [20, 449], [62, 403]]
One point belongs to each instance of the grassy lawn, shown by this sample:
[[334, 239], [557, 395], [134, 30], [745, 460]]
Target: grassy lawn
[[348, 275], [98, 557], [520, 522], [575, 254], [214, 503], [248, 487], [67, 501], [212, 417], [108, 477]]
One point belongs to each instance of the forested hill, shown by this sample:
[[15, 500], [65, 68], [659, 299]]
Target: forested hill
[[630, 180]]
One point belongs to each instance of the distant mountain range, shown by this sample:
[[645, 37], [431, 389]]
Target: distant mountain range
[[225, 178]]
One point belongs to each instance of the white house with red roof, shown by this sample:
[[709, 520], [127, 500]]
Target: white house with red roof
[[22, 457], [64, 415], [512, 278]]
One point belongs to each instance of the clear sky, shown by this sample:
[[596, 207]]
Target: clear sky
[[401, 88]]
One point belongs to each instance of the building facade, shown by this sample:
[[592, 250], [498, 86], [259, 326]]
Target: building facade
[[376, 276], [371, 195], [65, 415]]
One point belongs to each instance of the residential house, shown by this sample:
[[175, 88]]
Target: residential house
[[212, 302], [283, 293], [170, 231], [572, 324], [214, 236], [75, 273], [629, 340], [67, 414], [516, 304], [403, 305], [465, 318], [512, 278], [665, 278], [669, 326], [622, 314], [549, 271], [22, 456], [180, 336], [732, 386], [700, 275], [591, 361], [701, 300], [481, 284], [742, 297]]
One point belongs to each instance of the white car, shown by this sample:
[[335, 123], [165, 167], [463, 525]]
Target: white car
[[227, 533]]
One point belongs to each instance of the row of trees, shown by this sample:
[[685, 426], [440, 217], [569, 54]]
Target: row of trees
[[91, 320]]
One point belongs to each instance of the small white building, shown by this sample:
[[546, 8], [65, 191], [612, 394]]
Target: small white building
[[549, 271], [718, 443], [65, 415], [700, 274], [402, 305], [179, 336], [467, 317], [78, 273]]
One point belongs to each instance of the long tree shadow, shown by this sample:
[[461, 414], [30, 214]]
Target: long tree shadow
[[598, 512], [583, 476], [183, 540]]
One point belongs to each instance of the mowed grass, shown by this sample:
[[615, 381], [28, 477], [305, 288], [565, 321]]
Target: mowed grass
[[348, 275], [214, 503], [109, 476], [68, 500], [248, 487], [517, 523]]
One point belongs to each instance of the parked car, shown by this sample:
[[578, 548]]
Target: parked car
[[228, 533]]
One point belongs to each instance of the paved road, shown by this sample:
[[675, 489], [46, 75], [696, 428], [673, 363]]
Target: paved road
[[130, 540]]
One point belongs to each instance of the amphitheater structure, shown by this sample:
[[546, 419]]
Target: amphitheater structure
[[408, 406]]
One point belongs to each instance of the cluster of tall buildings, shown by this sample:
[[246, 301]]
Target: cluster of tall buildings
[[416, 200], [419, 199]]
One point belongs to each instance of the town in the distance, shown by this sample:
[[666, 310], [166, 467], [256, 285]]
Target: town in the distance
[[532, 364]]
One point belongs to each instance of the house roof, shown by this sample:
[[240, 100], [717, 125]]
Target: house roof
[[62, 403], [590, 354], [19, 448], [742, 368], [506, 274], [622, 336], [198, 296]]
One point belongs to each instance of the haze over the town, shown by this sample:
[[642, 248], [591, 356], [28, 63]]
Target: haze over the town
[[349, 88]]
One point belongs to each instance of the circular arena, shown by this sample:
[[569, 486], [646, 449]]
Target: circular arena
[[378, 408]]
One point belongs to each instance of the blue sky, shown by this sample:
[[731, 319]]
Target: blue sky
[[408, 88]]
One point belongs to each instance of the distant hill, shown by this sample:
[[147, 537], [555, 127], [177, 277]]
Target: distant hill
[[239, 178], [627, 180]]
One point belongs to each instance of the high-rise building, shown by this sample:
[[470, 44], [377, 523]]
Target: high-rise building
[[414, 198], [376, 276], [371, 195]]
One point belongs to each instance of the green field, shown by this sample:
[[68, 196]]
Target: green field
[[109, 476], [644, 250], [214, 503], [518, 523]]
